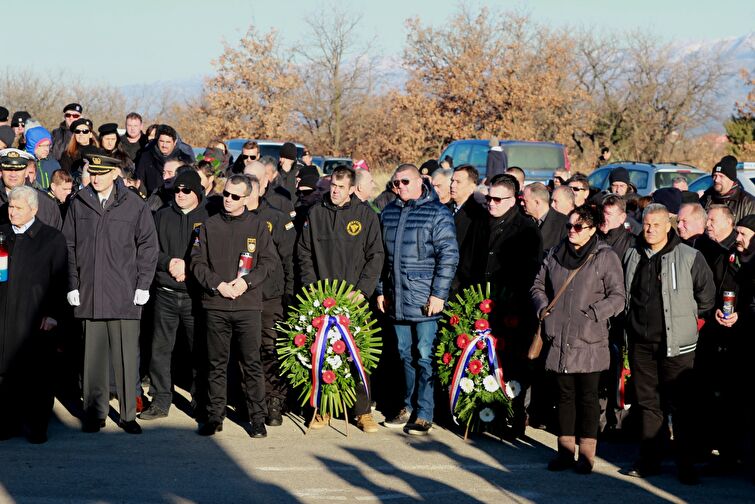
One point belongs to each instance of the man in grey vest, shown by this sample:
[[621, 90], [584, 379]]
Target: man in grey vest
[[670, 290]]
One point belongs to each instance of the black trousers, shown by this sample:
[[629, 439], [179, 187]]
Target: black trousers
[[106, 342], [242, 328], [663, 386], [172, 310], [578, 408], [275, 384]]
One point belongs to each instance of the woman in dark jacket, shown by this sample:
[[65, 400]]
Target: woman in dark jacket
[[575, 331], [82, 142]]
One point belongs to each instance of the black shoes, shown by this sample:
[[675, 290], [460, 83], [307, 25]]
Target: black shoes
[[274, 413], [210, 428], [561, 463], [130, 427], [92, 425], [644, 470], [258, 430], [153, 412]]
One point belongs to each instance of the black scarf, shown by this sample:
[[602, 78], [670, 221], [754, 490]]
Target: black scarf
[[571, 258]]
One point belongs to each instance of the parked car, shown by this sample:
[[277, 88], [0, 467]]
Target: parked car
[[267, 147], [646, 177], [327, 164], [538, 159], [745, 176]]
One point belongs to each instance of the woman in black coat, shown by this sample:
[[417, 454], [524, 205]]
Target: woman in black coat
[[575, 331], [82, 142]]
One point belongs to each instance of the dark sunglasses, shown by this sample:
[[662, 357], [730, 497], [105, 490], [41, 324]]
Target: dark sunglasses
[[577, 227], [75, 116], [397, 183], [81, 132], [497, 199], [578, 188], [234, 197], [248, 156], [184, 190]]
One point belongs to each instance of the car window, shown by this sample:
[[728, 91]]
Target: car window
[[448, 152], [478, 156], [332, 164], [666, 178], [638, 178], [598, 178], [535, 157], [701, 184]]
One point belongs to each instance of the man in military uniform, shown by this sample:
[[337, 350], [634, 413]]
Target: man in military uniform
[[341, 240], [276, 292], [14, 164], [233, 301], [112, 254]]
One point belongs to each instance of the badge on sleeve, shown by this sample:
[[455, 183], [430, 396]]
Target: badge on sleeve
[[270, 226], [354, 227], [251, 245]]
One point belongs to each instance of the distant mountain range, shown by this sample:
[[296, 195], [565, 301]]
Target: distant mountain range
[[737, 53]]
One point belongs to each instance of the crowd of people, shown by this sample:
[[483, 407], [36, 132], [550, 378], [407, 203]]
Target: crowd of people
[[123, 268]]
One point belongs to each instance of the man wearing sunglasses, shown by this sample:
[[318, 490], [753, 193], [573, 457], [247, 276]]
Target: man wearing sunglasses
[[61, 136], [233, 302], [250, 152], [112, 254], [581, 187], [421, 259], [176, 293]]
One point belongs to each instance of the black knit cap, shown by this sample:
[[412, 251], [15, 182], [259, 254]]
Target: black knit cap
[[670, 197], [747, 221], [288, 151], [727, 166], [619, 175], [4, 114], [108, 129], [190, 180]]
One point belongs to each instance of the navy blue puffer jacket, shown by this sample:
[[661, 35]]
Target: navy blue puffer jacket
[[421, 254]]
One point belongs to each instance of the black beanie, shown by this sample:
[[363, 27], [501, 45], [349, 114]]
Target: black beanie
[[727, 166], [670, 197], [690, 197], [619, 175], [747, 221], [428, 167], [288, 151], [189, 179]]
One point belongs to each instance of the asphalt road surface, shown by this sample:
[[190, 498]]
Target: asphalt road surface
[[169, 463]]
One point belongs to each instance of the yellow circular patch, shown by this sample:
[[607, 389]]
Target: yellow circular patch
[[354, 227]]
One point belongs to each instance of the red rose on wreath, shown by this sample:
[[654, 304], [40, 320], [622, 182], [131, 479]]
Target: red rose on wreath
[[317, 322], [328, 376], [447, 358], [480, 344], [329, 302], [462, 340], [299, 340], [481, 325], [344, 320], [454, 320], [339, 347], [486, 306], [475, 367]]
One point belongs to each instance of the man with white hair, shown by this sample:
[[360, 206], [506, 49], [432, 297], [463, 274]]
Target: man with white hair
[[14, 164], [36, 257], [364, 185]]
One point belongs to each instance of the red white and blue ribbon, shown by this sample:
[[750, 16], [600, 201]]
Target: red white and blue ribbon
[[463, 363], [319, 350]]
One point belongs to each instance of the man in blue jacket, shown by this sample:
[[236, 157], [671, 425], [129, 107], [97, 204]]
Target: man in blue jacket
[[421, 258]]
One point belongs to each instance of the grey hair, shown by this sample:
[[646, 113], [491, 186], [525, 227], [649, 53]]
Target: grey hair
[[242, 179], [253, 180], [443, 172], [655, 208], [29, 194], [725, 210], [698, 211]]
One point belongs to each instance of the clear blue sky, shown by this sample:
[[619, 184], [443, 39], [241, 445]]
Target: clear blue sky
[[142, 41]]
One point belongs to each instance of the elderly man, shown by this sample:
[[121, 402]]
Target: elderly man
[[727, 191], [441, 179], [364, 186], [552, 224], [563, 200], [14, 164], [415, 286], [112, 255], [691, 221], [36, 257]]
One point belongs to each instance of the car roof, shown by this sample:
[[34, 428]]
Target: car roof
[[659, 166], [507, 142]]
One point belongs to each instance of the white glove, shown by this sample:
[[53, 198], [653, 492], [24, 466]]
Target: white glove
[[141, 297], [73, 298]]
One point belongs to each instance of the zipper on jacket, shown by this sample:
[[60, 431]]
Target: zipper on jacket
[[673, 275]]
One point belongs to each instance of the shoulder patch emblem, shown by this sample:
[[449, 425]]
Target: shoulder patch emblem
[[196, 225], [354, 227], [270, 226], [289, 226], [251, 245]]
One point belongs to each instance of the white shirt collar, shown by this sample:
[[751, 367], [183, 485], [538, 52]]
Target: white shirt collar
[[22, 229]]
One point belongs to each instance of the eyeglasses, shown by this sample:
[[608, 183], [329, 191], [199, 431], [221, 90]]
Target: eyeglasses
[[82, 132], [75, 116], [496, 199], [578, 188], [185, 190], [577, 227], [234, 197], [404, 181], [248, 156]]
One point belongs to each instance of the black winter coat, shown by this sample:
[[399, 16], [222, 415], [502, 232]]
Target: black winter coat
[[282, 231], [35, 289], [48, 211], [176, 233], [215, 259], [287, 180], [341, 243], [553, 229], [149, 168], [739, 201], [61, 137], [111, 252], [620, 240]]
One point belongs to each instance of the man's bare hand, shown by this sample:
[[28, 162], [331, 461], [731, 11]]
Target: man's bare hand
[[239, 286], [434, 306], [177, 269], [726, 322], [227, 291]]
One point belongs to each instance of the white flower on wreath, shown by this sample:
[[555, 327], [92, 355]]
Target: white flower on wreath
[[487, 415], [302, 318], [335, 361], [310, 313], [304, 361], [513, 388], [316, 304], [490, 383], [310, 329], [466, 385], [298, 328]]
